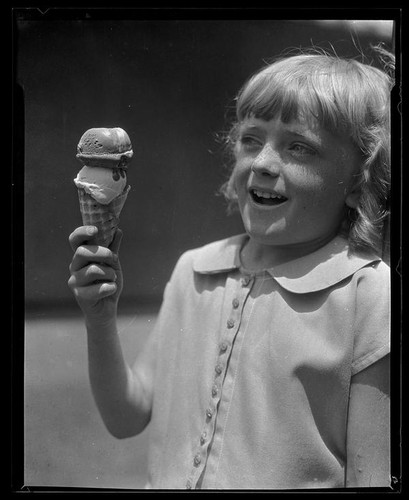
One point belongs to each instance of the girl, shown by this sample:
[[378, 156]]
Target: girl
[[268, 365]]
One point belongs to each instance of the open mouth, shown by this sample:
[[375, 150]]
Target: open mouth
[[265, 198]]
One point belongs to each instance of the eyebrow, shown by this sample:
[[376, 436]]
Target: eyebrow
[[304, 135], [313, 139], [245, 126]]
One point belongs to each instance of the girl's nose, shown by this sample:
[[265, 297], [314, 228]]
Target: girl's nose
[[267, 162]]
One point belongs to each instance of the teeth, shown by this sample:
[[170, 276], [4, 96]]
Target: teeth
[[263, 194]]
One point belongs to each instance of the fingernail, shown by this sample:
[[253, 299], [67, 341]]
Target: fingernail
[[90, 230], [115, 257]]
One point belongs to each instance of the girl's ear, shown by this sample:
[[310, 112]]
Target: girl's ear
[[353, 196]]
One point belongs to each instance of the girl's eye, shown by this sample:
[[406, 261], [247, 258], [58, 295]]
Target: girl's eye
[[302, 149], [250, 142]]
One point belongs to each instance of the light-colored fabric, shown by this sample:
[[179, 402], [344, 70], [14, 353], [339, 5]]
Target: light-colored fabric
[[253, 371]]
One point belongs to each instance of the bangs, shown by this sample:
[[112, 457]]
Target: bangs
[[325, 90]]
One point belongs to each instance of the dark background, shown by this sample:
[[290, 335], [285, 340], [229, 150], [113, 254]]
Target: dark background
[[170, 83]]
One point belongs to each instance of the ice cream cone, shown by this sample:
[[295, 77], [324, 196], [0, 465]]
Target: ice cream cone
[[102, 182], [104, 217]]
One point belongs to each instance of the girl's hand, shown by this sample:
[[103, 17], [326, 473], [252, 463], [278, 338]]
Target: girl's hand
[[96, 276]]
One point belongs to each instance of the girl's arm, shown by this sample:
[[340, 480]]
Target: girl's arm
[[368, 433], [123, 396]]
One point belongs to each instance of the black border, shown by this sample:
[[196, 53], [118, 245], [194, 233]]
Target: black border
[[71, 12]]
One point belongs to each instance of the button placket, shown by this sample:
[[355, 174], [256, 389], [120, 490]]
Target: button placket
[[197, 460], [226, 348], [245, 280], [203, 438], [218, 369], [223, 347], [232, 326], [230, 323]]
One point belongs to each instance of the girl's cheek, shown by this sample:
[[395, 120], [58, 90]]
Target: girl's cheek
[[238, 178], [305, 179], [243, 163], [236, 168], [235, 176]]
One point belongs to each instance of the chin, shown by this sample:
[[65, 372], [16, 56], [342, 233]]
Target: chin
[[262, 228], [265, 237]]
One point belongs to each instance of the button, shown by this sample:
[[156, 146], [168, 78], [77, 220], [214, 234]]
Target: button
[[235, 303], [209, 413], [203, 438], [223, 346], [230, 323], [218, 369], [197, 460], [215, 390]]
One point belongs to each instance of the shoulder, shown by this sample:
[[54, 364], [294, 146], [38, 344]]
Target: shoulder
[[372, 315], [331, 265], [373, 281], [215, 257], [204, 264]]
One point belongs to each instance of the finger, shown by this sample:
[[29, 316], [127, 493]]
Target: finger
[[88, 254], [89, 274], [81, 235], [94, 293]]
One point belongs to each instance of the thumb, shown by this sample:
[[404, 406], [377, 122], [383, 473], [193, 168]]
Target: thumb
[[116, 242]]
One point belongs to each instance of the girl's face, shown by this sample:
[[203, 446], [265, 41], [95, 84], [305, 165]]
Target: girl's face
[[293, 181]]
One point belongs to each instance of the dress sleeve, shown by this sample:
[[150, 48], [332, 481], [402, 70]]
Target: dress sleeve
[[167, 319], [372, 322]]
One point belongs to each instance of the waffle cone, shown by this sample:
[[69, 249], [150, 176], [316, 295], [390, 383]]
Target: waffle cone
[[104, 217]]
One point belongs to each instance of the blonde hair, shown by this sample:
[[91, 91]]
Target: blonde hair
[[343, 95]]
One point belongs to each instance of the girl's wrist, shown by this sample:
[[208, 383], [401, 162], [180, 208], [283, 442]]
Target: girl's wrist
[[101, 328]]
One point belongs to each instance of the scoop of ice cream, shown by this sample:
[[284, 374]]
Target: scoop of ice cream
[[103, 184], [105, 147]]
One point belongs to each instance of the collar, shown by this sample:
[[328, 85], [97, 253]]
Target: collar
[[326, 267]]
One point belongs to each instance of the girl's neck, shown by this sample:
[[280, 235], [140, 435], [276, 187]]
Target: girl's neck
[[256, 257]]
